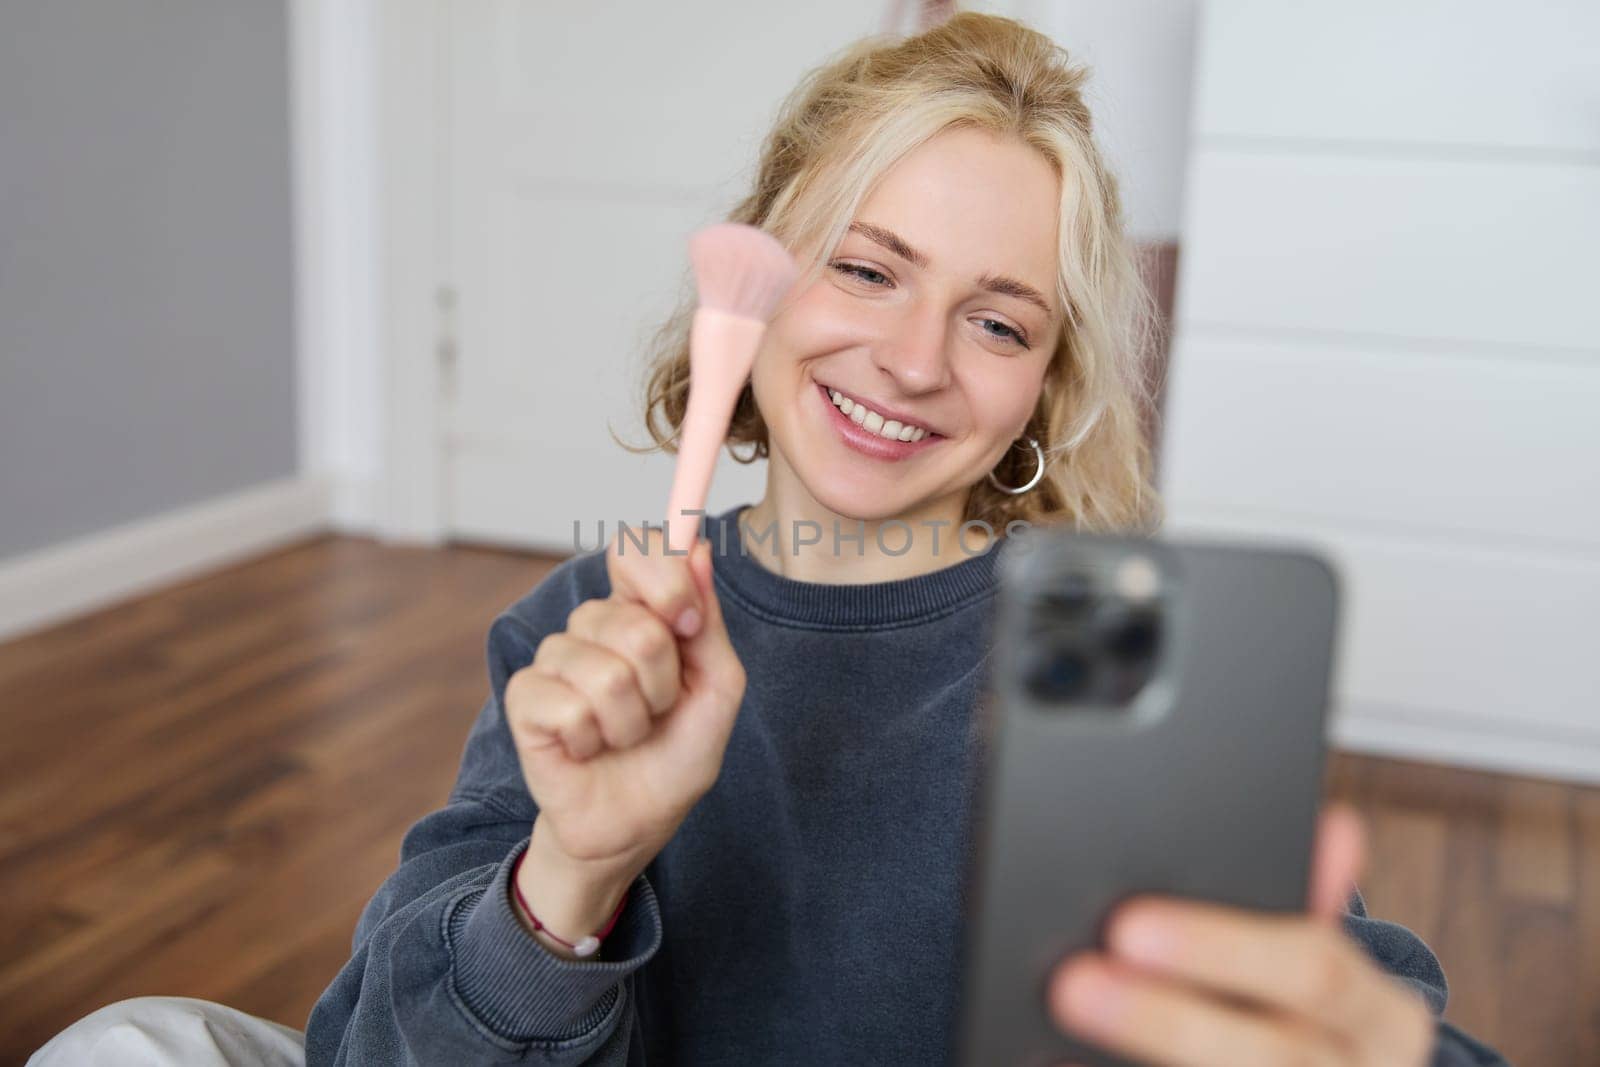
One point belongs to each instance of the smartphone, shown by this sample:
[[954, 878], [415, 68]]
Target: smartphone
[[1154, 723]]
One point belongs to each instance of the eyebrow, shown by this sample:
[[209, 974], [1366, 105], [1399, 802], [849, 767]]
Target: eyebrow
[[994, 283]]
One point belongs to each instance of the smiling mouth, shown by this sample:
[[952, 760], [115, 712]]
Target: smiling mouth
[[873, 422]]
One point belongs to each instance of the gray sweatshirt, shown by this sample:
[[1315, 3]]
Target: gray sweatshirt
[[808, 911]]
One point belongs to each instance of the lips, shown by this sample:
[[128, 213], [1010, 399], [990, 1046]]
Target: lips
[[887, 413], [859, 439]]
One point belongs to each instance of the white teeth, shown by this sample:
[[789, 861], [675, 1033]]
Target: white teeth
[[892, 429]]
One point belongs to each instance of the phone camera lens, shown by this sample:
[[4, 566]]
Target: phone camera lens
[[1132, 636], [1059, 674]]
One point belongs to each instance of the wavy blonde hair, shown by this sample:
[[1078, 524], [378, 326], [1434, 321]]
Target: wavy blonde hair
[[843, 127]]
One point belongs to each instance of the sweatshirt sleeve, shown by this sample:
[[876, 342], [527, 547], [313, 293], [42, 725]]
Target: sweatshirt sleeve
[[1403, 954], [441, 970]]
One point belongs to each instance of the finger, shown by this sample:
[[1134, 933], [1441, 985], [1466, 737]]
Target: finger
[[641, 570], [638, 635], [579, 733], [535, 704], [544, 713], [605, 680], [1289, 963], [1336, 864], [1404, 1032], [1156, 1022], [714, 684]]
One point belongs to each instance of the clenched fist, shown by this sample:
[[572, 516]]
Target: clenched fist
[[620, 724]]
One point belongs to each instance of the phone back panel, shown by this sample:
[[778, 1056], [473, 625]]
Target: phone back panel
[[1206, 784]]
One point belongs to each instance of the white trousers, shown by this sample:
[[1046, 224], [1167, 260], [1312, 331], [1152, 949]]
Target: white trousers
[[169, 1031]]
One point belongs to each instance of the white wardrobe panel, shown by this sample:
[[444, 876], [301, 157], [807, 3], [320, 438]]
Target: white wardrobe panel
[[1379, 435], [1476, 73], [1478, 252], [1388, 346], [1449, 630]]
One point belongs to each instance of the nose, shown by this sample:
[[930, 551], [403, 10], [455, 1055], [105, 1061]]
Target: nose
[[915, 352]]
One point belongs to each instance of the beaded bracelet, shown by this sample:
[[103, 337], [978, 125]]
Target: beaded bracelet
[[588, 946]]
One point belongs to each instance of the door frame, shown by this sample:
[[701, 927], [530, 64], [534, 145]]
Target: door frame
[[413, 77], [369, 105]]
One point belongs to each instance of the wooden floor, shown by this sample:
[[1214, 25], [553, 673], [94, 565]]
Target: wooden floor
[[200, 789]]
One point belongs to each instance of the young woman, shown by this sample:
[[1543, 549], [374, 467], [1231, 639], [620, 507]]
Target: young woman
[[747, 773]]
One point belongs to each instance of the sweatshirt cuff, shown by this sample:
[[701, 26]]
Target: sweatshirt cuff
[[1458, 1049], [524, 992]]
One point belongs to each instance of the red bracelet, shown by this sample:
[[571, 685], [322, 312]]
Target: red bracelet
[[586, 947]]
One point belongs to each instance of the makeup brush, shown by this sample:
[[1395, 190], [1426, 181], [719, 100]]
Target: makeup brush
[[741, 274]]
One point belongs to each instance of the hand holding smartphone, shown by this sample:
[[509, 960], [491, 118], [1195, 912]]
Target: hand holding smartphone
[[1156, 725]]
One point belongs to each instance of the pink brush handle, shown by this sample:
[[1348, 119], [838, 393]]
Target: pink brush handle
[[721, 350]]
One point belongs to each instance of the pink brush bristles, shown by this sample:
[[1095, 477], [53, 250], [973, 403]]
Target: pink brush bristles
[[741, 274], [741, 270]]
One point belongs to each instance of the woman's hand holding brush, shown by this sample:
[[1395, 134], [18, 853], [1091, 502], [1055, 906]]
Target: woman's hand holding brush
[[621, 721]]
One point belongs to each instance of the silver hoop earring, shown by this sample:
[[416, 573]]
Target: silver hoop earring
[[1038, 474]]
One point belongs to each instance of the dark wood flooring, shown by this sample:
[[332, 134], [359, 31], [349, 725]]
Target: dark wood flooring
[[200, 788]]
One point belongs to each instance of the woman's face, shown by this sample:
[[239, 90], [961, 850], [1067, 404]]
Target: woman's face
[[926, 316]]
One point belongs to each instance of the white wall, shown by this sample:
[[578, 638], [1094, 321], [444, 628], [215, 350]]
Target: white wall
[[147, 299], [146, 303]]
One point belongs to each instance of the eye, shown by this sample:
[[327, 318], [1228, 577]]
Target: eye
[[855, 270], [1013, 338], [867, 275]]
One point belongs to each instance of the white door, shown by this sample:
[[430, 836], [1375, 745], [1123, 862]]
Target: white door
[[585, 143]]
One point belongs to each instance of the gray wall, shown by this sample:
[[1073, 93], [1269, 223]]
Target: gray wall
[[146, 293]]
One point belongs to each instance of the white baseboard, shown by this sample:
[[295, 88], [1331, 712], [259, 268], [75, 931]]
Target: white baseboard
[[51, 584], [354, 506], [1507, 747]]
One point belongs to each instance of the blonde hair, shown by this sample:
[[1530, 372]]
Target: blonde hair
[[843, 127]]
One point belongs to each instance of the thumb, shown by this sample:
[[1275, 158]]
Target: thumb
[[1336, 863], [709, 653], [698, 729]]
